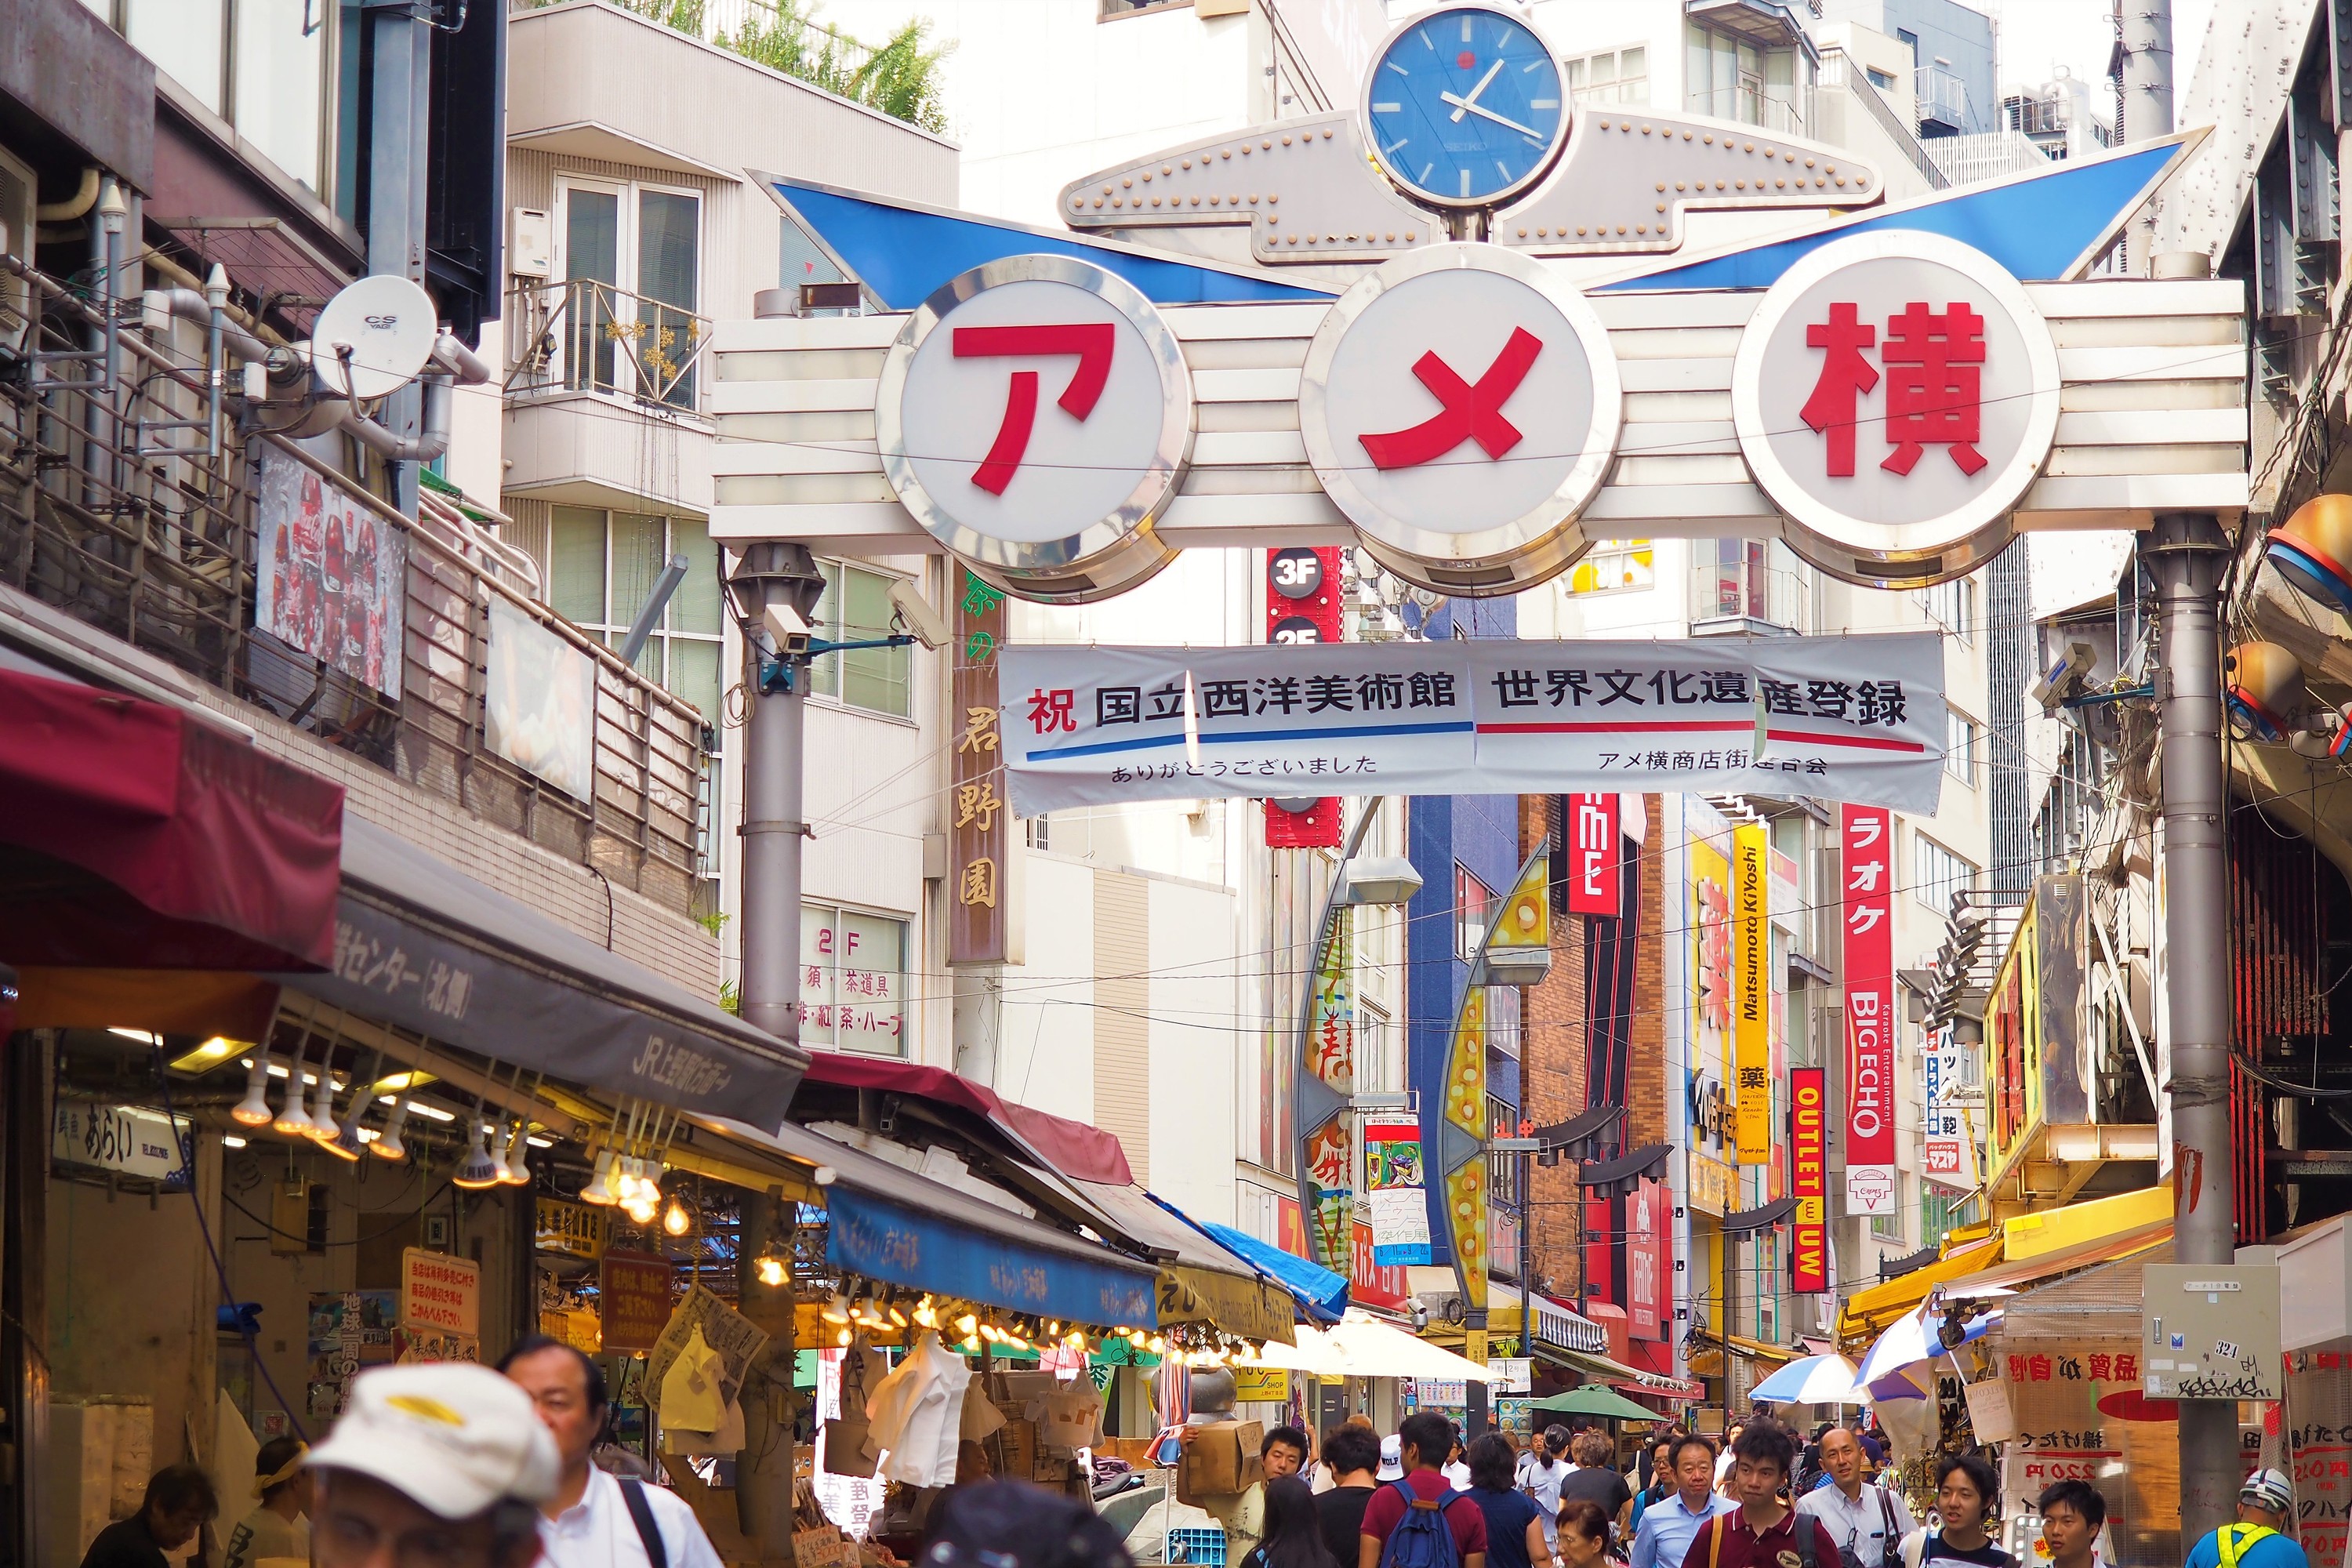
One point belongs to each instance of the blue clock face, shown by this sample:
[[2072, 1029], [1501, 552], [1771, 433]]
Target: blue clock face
[[1464, 107]]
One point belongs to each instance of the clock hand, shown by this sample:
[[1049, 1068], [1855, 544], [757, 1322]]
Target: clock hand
[[1471, 101], [1486, 113]]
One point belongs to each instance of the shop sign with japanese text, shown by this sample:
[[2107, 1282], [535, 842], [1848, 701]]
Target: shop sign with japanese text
[[1751, 990], [1396, 1179], [1949, 1156], [576, 1230], [1809, 1240], [634, 1299], [1858, 719], [1866, 837], [1897, 394], [440, 1292], [980, 927]]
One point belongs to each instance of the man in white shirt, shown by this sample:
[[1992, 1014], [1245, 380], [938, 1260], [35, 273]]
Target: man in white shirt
[[594, 1520], [1868, 1523]]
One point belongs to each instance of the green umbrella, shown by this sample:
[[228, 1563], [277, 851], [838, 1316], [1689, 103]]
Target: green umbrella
[[1595, 1400]]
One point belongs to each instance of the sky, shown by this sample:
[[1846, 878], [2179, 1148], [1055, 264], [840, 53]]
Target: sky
[[2036, 35]]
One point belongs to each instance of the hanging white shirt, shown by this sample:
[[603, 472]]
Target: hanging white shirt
[[597, 1532]]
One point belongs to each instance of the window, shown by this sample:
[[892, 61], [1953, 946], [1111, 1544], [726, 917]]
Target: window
[[1732, 79], [601, 566], [1614, 76], [1938, 1214], [1953, 606], [1503, 1170], [857, 607], [1613, 564], [1936, 874], [1960, 746], [853, 980], [1472, 907], [1112, 10], [631, 263], [1504, 1028], [1878, 78], [1888, 1227], [261, 65], [1750, 583]]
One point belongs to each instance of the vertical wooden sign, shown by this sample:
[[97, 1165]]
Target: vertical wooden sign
[[980, 918]]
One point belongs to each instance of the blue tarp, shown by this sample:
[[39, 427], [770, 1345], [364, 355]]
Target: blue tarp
[[1323, 1294], [883, 1240]]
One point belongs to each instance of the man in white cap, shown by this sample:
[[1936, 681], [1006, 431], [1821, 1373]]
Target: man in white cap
[[595, 1519], [442, 1464], [2265, 1505]]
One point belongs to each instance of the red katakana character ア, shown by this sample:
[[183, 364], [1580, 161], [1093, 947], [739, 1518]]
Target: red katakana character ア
[[1845, 375], [1934, 388]]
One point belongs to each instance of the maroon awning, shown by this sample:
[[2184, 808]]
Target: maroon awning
[[1072, 1148], [138, 836]]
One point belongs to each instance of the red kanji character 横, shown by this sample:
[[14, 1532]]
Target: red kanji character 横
[[1934, 389], [1846, 377]]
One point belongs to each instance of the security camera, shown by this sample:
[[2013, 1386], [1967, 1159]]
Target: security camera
[[2064, 679], [915, 613], [784, 625]]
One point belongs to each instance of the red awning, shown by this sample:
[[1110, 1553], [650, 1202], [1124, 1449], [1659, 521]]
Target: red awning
[[139, 836], [1073, 1148]]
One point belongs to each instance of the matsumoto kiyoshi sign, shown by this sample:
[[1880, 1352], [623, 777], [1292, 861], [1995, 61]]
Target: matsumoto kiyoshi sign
[[1855, 718]]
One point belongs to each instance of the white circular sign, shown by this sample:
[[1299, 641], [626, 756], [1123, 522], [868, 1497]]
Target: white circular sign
[[1035, 415], [1895, 394], [1461, 405]]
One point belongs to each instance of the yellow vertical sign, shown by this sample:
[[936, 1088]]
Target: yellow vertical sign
[[1751, 991]]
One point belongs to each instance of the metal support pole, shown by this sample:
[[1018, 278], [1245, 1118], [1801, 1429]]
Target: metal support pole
[[401, 43], [784, 576], [2187, 553]]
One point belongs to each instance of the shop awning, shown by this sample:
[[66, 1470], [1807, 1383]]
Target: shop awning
[[1556, 1322], [139, 836], [1322, 1294], [2088, 1222], [1361, 1345], [2007, 1278], [1072, 1148], [422, 945], [1607, 1368], [1866, 1312], [888, 1224], [1200, 1281]]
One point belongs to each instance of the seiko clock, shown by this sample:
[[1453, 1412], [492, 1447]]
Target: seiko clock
[[1464, 107]]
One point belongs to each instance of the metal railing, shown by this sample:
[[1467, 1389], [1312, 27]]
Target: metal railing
[[1944, 98], [1751, 583], [1840, 74], [587, 336], [1786, 110], [159, 544]]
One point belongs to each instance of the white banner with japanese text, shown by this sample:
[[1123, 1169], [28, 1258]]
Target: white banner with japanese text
[[1843, 718]]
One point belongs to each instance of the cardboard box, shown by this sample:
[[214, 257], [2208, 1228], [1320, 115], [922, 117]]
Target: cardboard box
[[1221, 1459]]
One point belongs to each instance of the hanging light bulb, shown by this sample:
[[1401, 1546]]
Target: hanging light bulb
[[292, 1120], [347, 1145], [599, 1191], [771, 1270], [837, 1310], [323, 1128], [253, 1110], [478, 1170], [387, 1144], [675, 1220], [968, 1325], [518, 1159]]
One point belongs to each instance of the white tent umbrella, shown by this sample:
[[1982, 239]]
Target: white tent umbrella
[[1363, 1346], [1811, 1380]]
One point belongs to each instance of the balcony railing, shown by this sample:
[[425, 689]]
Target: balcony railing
[[1944, 100], [1749, 584], [120, 519], [1840, 76], [1785, 110], [587, 336]]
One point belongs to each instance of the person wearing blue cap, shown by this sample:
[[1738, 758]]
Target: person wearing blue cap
[[2257, 1540]]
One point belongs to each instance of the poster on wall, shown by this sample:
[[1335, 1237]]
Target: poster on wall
[[1331, 1059], [349, 1331], [2319, 1451], [539, 707], [1395, 1178], [332, 576], [1866, 839]]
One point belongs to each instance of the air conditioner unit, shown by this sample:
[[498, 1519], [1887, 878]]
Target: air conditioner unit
[[530, 243]]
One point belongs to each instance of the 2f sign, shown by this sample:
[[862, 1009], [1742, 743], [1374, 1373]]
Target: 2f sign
[[1592, 869]]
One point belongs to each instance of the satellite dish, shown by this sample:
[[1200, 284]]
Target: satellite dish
[[373, 338]]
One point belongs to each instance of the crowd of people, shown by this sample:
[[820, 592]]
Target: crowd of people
[[457, 1466]]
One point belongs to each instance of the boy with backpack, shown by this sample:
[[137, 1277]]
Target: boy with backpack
[[1421, 1521]]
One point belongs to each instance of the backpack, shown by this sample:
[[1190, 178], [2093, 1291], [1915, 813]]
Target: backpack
[[1423, 1539]]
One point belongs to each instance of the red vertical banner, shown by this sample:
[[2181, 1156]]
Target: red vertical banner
[[1302, 606], [1593, 861], [1866, 840], [1649, 1303], [1809, 1131]]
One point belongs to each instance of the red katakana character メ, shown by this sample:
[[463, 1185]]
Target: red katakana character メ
[[1934, 384], [1846, 377]]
